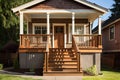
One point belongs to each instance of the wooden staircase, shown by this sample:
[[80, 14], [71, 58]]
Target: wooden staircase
[[61, 61]]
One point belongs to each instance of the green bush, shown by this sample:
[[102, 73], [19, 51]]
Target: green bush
[[31, 69], [16, 64], [1, 66], [92, 70]]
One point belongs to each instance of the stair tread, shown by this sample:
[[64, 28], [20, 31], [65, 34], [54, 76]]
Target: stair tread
[[62, 59]]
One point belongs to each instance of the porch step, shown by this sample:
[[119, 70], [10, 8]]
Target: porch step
[[64, 63], [54, 73], [62, 60]]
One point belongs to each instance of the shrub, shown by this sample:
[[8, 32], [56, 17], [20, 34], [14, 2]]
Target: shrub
[[1, 66], [92, 70], [16, 64], [31, 69]]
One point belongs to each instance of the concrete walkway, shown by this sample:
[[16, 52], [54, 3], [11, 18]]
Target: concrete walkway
[[42, 77]]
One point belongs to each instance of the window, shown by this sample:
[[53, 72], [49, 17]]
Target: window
[[112, 32], [40, 29], [79, 29]]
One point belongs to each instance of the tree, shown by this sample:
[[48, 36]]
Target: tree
[[9, 22], [116, 9]]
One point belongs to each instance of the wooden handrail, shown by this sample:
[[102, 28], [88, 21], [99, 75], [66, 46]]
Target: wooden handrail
[[35, 35], [85, 41], [75, 47], [35, 41], [87, 35], [88, 41]]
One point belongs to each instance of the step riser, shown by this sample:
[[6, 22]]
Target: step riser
[[64, 63], [63, 74], [63, 60]]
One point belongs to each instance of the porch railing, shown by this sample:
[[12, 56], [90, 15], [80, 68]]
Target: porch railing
[[35, 41], [88, 41], [75, 47]]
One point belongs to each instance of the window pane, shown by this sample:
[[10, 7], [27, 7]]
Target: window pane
[[79, 30], [112, 32]]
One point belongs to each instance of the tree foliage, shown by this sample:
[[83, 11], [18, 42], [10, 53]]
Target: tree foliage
[[116, 9], [9, 22]]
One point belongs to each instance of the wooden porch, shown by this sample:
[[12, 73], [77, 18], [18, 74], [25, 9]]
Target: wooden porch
[[42, 43], [61, 60]]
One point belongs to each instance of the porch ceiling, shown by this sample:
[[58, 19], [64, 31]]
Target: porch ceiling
[[90, 16]]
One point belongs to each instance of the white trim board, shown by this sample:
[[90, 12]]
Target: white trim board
[[21, 7], [29, 4], [65, 37], [82, 11], [34, 24]]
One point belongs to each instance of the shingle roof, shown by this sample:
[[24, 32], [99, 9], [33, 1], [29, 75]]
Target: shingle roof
[[107, 22], [85, 2], [110, 20]]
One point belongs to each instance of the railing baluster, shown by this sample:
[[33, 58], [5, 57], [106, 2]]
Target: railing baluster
[[35, 41], [88, 41]]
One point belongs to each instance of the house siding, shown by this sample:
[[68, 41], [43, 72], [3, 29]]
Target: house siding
[[90, 59], [59, 4], [107, 42], [52, 21], [31, 60], [111, 48]]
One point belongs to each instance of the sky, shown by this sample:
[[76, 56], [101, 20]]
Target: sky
[[105, 3]]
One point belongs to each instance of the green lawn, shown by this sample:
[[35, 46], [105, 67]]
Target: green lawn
[[107, 75], [10, 77]]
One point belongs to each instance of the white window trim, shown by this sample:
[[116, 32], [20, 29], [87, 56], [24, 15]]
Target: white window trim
[[65, 37], [69, 30], [34, 24], [33, 28], [114, 32]]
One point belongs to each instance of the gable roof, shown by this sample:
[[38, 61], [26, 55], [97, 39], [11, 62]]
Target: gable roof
[[107, 23], [84, 2], [110, 21]]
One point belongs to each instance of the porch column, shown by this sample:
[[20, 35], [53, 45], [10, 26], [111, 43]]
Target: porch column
[[21, 23], [27, 27], [73, 23], [90, 25], [85, 30], [53, 37], [48, 23], [48, 31], [65, 37], [99, 25]]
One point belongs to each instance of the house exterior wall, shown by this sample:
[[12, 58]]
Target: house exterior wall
[[90, 59], [31, 60], [111, 44], [59, 4], [111, 48], [52, 21]]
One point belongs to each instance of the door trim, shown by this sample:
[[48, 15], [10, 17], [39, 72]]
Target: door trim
[[59, 24]]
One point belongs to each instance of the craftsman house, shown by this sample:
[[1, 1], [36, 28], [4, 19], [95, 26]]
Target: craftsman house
[[58, 37]]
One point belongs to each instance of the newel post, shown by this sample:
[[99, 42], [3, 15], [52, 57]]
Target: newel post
[[99, 32]]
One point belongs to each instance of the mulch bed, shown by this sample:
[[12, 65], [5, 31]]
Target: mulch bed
[[38, 72]]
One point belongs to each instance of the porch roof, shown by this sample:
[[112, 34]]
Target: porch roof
[[84, 2]]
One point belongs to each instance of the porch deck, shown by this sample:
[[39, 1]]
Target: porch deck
[[61, 60], [42, 43]]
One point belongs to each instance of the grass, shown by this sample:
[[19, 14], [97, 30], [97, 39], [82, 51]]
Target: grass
[[10, 77], [108, 74]]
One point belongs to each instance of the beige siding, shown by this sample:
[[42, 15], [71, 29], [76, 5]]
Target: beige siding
[[88, 60]]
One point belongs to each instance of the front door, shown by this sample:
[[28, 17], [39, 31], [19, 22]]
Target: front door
[[59, 36]]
